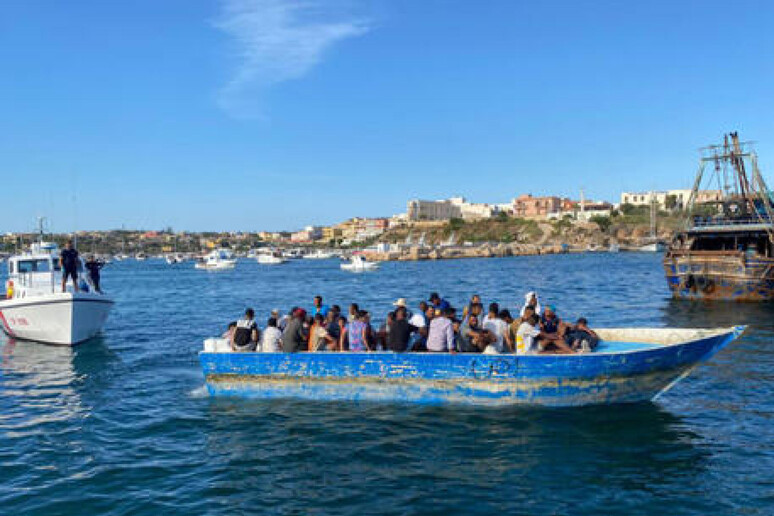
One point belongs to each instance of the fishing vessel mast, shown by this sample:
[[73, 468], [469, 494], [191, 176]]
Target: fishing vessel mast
[[742, 200]]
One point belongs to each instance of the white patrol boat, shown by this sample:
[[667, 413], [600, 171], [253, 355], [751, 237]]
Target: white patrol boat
[[35, 308]]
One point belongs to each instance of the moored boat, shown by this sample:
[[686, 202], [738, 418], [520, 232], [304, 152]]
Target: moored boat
[[270, 257], [218, 259], [35, 308], [629, 365], [726, 249]]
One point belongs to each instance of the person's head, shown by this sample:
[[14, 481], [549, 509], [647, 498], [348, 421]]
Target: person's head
[[456, 325], [390, 316], [423, 306], [317, 301], [533, 319], [531, 298], [342, 321], [363, 315], [528, 311], [449, 313], [494, 309], [69, 244], [336, 309], [330, 316], [275, 314], [430, 312], [505, 315], [318, 319], [473, 321], [249, 313], [232, 325], [582, 322], [400, 313], [475, 298], [550, 311], [300, 314], [435, 298], [354, 309], [476, 308], [272, 322]]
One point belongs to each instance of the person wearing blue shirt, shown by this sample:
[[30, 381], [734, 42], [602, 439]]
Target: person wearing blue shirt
[[439, 303], [319, 307]]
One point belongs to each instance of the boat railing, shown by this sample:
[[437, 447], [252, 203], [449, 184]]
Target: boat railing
[[714, 221]]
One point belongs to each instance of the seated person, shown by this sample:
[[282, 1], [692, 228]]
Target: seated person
[[245, 336], [473, 338], [229, 331], [400, 331], [552, 332], [580, 337], [319, 338], [527, 335], [271, 342]]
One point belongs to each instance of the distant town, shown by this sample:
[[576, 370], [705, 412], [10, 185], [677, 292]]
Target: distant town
[[363, 231]]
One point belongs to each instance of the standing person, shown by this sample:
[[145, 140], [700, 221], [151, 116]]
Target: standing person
[[332, 325], [356, 333], [294, 338], [438, 302], [531, 299], [245, 336], [440, 338], [319, 307], [94, 267], [271, 342], [353, 311], [68, 260], [343, 342], [475, 299]]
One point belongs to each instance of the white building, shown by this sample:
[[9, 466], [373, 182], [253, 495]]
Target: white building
[[445, 209], [660, 198]]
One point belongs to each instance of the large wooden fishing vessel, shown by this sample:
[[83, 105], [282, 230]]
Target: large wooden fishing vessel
[[725, 250]]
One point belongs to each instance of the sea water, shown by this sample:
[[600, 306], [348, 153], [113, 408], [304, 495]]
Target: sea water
[[122, 425]]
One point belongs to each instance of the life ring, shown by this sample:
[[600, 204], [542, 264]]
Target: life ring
[[9, 289]]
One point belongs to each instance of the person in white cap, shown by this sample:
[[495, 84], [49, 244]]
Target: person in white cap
[[531, 299]]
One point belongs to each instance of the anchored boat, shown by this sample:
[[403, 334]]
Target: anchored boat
[[629, 365], [217, 260], [726, 249], [35, 308]]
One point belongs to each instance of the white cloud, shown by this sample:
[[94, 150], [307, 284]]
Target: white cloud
[[274, 41]]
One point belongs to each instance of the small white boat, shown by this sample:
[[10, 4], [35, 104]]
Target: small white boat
[[359, 263], [270, 257], [614, 248], [218, 259], [35, 308], [293, 254], [652, 247], [319, 255], [173, 259]]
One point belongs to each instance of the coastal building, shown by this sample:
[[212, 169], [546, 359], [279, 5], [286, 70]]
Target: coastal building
[[308, 234], [669, 199], [445, 209], [527, 206]]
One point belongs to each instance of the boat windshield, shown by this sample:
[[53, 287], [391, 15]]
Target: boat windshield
[[38, 265]]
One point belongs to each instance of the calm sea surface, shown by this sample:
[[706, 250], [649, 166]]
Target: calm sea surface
[[121, 425]]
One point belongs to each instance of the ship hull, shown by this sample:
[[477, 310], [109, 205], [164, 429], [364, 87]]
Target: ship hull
[[725, 276]]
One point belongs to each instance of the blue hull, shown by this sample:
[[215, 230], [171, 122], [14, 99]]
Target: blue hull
[[548, 380]]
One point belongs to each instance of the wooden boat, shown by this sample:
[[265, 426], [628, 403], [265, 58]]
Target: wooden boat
[[726, 249], [629, 365]]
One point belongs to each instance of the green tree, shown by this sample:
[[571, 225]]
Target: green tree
[[601, 221]]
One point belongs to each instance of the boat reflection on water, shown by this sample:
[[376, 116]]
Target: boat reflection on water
[[41, 383], [397, 445], [758, 317]]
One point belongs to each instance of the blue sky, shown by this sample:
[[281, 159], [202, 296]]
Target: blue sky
[[267, 114]]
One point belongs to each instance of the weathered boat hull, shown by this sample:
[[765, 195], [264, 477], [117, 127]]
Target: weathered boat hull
[[548, 380], [720, 276]]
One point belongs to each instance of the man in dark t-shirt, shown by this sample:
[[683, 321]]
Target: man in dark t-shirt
[[400, 331], [68, 260]]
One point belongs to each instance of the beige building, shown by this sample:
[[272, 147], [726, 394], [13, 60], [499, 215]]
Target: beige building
[[445, 209], [659, 198]]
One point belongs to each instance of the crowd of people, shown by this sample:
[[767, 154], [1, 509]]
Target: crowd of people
[[435, 327]]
